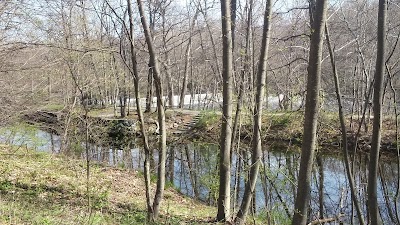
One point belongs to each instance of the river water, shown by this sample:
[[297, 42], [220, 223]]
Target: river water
[[192, 168]]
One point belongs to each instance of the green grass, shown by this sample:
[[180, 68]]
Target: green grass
[[208, 118], [40, 188], [98, 112], [53, 107]]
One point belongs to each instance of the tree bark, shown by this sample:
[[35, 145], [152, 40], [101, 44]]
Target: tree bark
[[258, 108], [149, 93], [135, 74], [373, 208], [160, 114], [311, 113], [226, 129], [187, 61]]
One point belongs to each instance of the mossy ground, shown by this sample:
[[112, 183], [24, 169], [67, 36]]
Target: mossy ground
[[41, 188]]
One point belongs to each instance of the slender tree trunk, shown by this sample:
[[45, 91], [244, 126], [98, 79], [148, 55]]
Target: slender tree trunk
[[87, 147], [135, 74], [258, 108], [349, 173], [185, 74], [187, 61], [160, 113], [320, 164], [226, 130], [396, 117], [166, 63], [149, 93], [245, 72], [373, 209], [171, 102], [210, 33], [171, 164], [311, 113], [386, 195], [192, 173]]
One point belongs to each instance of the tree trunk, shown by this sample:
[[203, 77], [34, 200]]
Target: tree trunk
[[226, 129], [396, 116], [192, 173], [171, 102], [166, 63], [187, 61], [311, 112], [171, 164], [373, 209], [160, 113], [349, 173], [210, 33], [135, 74], [185, 74], [149, 93], [258, 108], [244, 73]]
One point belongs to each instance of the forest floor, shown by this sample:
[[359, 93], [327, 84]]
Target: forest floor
[[41, 188]]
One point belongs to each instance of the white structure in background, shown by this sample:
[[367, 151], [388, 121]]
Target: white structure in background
[[214, 101], [206, 101]]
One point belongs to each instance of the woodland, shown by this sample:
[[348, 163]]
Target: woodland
[[330, 69]]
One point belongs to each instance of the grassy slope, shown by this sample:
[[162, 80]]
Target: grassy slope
[[40, 188]]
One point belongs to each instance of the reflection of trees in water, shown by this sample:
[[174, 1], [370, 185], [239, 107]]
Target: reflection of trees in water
[[193, 168], [276, 188]]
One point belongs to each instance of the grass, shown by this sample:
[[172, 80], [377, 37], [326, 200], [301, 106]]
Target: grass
[[40, 188], [208, 118], [53, 107], [98, 112]]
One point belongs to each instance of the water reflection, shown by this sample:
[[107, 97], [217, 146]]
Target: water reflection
[[193, 169], [30, 137]]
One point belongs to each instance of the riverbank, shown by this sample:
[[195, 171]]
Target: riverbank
[[42, 188], [279, 128]]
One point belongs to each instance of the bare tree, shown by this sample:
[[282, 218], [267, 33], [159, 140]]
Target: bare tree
[[343, 128], [139, 110], [373, 208], [226, 129], [318, 18], [160, 113], [187, 60], [258, 109]]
